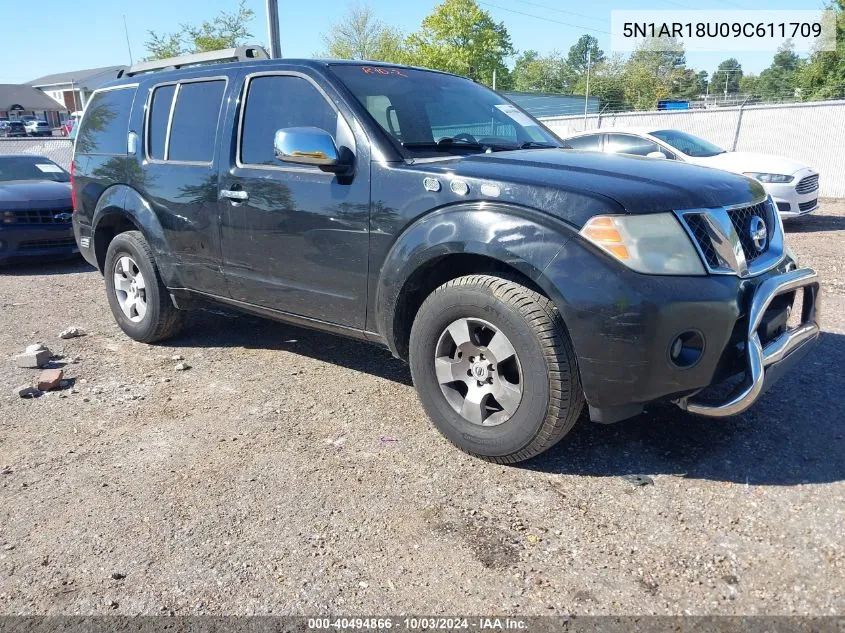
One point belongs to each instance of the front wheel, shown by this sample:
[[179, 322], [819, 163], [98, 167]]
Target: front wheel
[[494, 368], [137, 296]]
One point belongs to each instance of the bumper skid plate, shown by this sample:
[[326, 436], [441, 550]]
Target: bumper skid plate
[[766, 364]]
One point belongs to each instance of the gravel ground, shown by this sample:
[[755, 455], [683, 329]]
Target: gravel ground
[[289, 471]]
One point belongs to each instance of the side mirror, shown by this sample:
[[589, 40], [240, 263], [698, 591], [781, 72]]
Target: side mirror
[[309, 146], [656, 154]]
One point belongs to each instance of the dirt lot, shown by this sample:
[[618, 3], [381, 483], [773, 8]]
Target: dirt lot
[[259, 480]]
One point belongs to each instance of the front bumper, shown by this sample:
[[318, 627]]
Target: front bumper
[[789, 202], [767, 363], [623, 326], [28, 241]]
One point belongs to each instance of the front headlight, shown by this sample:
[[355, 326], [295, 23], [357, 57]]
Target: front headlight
[[773, 178], [654, 244]]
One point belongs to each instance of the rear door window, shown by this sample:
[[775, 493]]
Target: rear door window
[[194, 128], [105, 125]]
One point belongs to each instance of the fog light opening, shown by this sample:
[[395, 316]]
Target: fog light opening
[[687, 349]]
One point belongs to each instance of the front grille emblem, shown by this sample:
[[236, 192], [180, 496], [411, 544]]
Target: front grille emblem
[[758, 233], [63, 217]]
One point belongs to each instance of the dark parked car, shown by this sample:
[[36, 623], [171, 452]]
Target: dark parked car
[[423, 212], [35, 209], [13, 128]]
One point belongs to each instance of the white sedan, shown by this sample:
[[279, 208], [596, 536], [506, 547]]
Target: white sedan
[[793, 185]]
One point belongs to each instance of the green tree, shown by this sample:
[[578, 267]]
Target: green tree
[[607, 82], [824, 76], [549, 73], [701, 81], [585, 50], [361, 35], [226, 30], [657, 70], [750, 85], [663, 57], [460, 37], [729, 71], [780, 79]]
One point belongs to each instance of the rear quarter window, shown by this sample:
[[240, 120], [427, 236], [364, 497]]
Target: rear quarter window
[[105, 125]]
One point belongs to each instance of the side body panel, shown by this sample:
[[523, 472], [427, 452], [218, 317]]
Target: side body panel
[[182, 197], [299, 243], [411, 225]]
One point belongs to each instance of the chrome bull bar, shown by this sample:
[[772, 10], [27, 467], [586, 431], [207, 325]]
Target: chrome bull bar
[[760, 358]]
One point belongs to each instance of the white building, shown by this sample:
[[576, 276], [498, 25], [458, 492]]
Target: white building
[[73, 89]]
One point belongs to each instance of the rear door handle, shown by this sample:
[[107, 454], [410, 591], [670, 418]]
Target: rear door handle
[[238, 195]]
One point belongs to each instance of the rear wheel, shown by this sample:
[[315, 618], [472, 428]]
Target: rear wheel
[[494, 368], [137, 296]]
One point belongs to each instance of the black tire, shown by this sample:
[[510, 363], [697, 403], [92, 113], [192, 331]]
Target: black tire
[[162, 319], [552, 397]]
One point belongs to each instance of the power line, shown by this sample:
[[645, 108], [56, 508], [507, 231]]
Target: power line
[[545, 19], [548, 8]]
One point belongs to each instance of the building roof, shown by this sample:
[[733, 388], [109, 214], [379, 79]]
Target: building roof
[[90, 78], [27, 97], [543, 104]]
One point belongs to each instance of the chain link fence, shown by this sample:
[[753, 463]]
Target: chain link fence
[[59, 150], [812, 133]]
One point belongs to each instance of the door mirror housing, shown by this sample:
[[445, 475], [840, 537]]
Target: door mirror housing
[[656, 154], [310, 146]]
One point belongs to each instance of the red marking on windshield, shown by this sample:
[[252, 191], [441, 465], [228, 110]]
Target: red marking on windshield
[[381, 70]]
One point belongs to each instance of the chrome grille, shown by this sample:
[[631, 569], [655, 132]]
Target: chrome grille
[[806, 206], [808, 184], [43, 216], [723, 239], [741, 219], [698, 226]]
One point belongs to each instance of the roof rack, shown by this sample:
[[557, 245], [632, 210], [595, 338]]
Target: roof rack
[[238, 54]]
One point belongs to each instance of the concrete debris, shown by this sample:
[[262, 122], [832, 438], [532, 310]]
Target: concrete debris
[[34, 356], [50, 379], [337, 442], [177, 357], [182, 367], [72, 332]]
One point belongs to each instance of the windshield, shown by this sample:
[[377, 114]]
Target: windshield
[[688, 144], [30, 168], [428, 112]]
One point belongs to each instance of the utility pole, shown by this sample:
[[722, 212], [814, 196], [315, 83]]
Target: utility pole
[[587, 91], [273, 28], [494, 79]]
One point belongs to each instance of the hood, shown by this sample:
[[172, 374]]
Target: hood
[[740, 162], [639, 185], [35, 193]]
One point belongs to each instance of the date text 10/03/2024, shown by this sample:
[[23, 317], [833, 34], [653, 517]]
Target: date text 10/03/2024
[[420, 623]]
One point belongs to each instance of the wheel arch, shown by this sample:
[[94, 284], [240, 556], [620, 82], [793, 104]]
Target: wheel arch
[[516, 242], [121, 208]]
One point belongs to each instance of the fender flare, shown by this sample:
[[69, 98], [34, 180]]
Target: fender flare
[[122, 202], [520, 237]]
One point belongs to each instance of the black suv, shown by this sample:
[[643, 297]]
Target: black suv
[[423, 212]]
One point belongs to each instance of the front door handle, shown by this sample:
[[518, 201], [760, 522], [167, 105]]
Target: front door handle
[[237, 195]]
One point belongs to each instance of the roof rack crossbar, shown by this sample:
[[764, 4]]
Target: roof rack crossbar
[[238, 54]]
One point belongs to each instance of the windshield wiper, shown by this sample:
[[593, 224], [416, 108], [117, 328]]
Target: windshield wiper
[[444, 145], [537, 145]]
